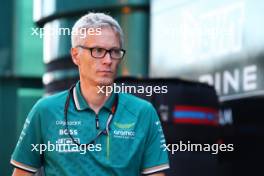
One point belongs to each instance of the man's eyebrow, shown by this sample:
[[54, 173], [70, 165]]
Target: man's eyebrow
[[97, 46]]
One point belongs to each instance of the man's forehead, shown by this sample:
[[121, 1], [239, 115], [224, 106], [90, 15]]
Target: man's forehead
[[108, 36]]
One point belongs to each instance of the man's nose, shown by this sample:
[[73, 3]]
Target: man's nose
[[107, 59]]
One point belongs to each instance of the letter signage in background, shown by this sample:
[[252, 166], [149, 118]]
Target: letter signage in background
[[218, 42]]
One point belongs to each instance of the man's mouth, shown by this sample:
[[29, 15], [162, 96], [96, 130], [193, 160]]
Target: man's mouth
[[104, 71]]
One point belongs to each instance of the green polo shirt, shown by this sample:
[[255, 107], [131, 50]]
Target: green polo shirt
[[134, 145]]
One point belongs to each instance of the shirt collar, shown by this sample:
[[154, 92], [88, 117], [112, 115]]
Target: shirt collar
[[81, 104]]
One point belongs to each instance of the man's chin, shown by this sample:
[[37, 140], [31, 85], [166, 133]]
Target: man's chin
[[105, 82]]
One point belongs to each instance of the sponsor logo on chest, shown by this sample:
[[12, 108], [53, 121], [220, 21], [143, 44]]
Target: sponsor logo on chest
[[124, 131]]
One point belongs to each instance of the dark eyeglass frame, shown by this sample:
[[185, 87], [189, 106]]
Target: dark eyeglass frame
[[105, 131], [105, 50]]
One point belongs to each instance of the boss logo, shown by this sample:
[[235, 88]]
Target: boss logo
[[67, 132]]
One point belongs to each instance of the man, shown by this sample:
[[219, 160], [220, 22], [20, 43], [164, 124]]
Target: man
[[117, 135]]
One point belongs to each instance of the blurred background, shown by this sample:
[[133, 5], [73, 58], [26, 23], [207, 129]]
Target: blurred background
[[171, 42]]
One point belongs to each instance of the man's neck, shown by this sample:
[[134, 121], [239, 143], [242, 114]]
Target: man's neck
[[94, 99]]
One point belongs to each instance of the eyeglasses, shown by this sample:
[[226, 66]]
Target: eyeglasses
[[99, 53]]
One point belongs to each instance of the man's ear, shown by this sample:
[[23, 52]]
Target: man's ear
[[75, 56]]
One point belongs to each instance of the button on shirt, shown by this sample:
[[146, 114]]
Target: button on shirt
[[134, 146]]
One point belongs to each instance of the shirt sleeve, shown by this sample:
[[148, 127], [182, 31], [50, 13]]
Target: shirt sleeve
[[155, 157], [26, 155]]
